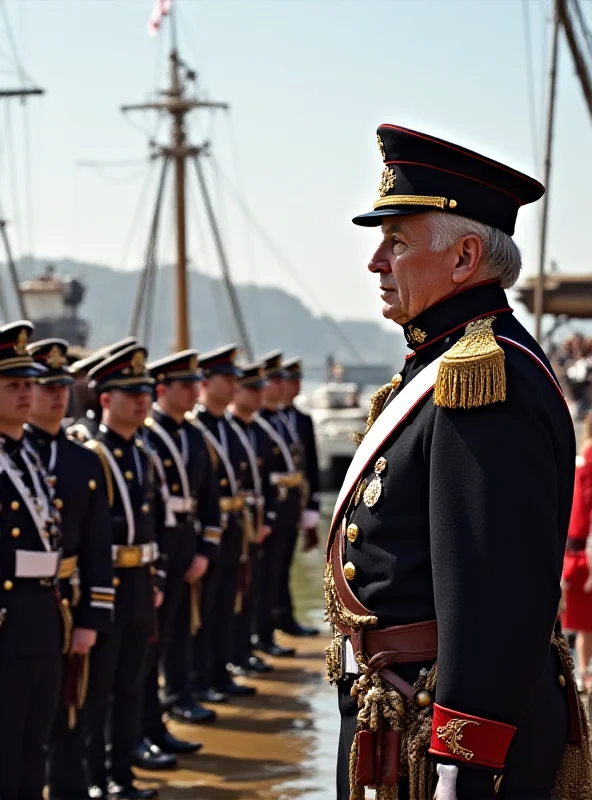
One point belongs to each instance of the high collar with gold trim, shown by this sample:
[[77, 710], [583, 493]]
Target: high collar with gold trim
[[455, 312]]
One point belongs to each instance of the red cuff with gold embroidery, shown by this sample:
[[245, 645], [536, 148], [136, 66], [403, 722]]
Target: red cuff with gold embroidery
[[474, 740]]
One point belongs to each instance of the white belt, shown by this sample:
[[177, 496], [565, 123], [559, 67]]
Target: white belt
[[33, 564], [149, 551], [182, 505]]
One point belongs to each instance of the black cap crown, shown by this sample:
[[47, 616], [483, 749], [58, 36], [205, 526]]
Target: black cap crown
[[273, 364], [220, 362], [423, 173], [84, 365], [125, 370], [253, 376], [52, 354], [178, 367], [293, 369], [15, 359]]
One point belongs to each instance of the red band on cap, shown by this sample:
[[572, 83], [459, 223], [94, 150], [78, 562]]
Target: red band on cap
[[472, 740]]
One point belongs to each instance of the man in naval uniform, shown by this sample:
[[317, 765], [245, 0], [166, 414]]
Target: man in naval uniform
[[193, 543], [301, 428], [260, 501], [85, 408], [139, 559], [449, 532], [222, 585], [86, 573], [30, 622]]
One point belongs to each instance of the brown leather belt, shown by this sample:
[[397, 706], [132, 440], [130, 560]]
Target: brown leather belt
[[400, 644]]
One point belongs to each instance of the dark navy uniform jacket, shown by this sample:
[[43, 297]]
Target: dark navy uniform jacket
[[79, 485], [471, 525], [303, 424]]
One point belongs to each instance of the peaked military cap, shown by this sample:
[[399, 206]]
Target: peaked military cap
[[178, 367], [52, 354], [423, 173], [253, 376], [220, 362], [15, 360], [84, 365], [125, 370], [273, 364], [293, 369]]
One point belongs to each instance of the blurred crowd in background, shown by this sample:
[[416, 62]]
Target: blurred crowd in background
[[572, 361]]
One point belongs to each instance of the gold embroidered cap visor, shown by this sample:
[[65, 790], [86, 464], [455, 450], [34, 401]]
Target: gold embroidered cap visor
[[126, 370], [181, 366], [423, 173], [15, 361], [52, 354]]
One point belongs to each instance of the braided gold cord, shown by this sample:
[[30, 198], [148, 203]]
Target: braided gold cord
[[376, 405]]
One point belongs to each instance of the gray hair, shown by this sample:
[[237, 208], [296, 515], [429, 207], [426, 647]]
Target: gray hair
[[501, 254]]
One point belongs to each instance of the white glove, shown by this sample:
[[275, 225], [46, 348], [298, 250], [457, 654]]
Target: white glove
[[309, 518], [446, 789]]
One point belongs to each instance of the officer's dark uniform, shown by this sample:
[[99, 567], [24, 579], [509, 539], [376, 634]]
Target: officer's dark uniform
[[85, 411], [139, 556], [194, 503], [30, 620], [260, 501], [223, 585], [461, 517], [301, 427], [287, 480], [86, 572]]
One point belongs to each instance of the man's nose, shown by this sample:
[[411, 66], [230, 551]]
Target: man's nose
[[379, 262]]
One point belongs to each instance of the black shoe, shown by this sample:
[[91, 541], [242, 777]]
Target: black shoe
[[168, 743], [238, 671], [296, 629], [276, 650], [149, 756], [131, 792], [257, 664], [192, 713], [210, 696], [236, 689]]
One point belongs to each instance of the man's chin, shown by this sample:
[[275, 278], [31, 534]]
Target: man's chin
[[394, 314]]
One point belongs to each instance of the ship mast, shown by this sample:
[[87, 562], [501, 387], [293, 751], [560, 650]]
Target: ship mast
[[177, 102]]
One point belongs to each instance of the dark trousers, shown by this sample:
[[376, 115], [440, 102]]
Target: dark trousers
[[180, 554], [66, 773], [245, 620], [278, 550], [532, 761], [29, 692], [213, 645], [284, 611], [112, 709]]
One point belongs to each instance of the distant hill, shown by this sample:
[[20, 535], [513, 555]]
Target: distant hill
[[275, 318]]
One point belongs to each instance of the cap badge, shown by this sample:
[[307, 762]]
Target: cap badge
[[138, 363], [55, 358], [380, 144], [22, 341], [193, 364], [387, 181]]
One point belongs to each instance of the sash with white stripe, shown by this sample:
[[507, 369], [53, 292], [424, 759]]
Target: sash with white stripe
[[275, 437], [232, 481], [170, 520], [251, 455], [122, 487], [39, 511], [170, 445]]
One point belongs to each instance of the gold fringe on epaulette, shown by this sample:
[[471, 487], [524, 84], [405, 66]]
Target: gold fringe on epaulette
[[472, 373], [376, 405], [574, 779]]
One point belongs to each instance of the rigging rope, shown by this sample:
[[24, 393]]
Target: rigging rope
[[530, 81], [283, 261]]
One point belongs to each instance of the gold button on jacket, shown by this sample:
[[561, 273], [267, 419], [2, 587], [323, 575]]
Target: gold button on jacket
[[349, 571]]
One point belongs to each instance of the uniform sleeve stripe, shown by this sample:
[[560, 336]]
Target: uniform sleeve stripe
[[212, 529], [107, 606], [105, 598], [103, 589]]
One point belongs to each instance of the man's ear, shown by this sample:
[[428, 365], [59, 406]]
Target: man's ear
[[469, 251]]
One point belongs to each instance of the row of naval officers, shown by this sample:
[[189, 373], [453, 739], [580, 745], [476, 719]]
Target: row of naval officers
[[154, 534]]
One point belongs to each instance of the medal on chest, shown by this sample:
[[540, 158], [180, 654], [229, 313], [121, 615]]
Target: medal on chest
[[373, 491]]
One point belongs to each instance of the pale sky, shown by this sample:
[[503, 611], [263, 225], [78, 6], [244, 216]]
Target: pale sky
[[308, 82]]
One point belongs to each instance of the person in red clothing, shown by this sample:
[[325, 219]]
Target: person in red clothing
[[577, 566]]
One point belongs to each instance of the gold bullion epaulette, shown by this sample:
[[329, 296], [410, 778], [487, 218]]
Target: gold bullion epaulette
[[214, 457], [472, 373], [97, 448]]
